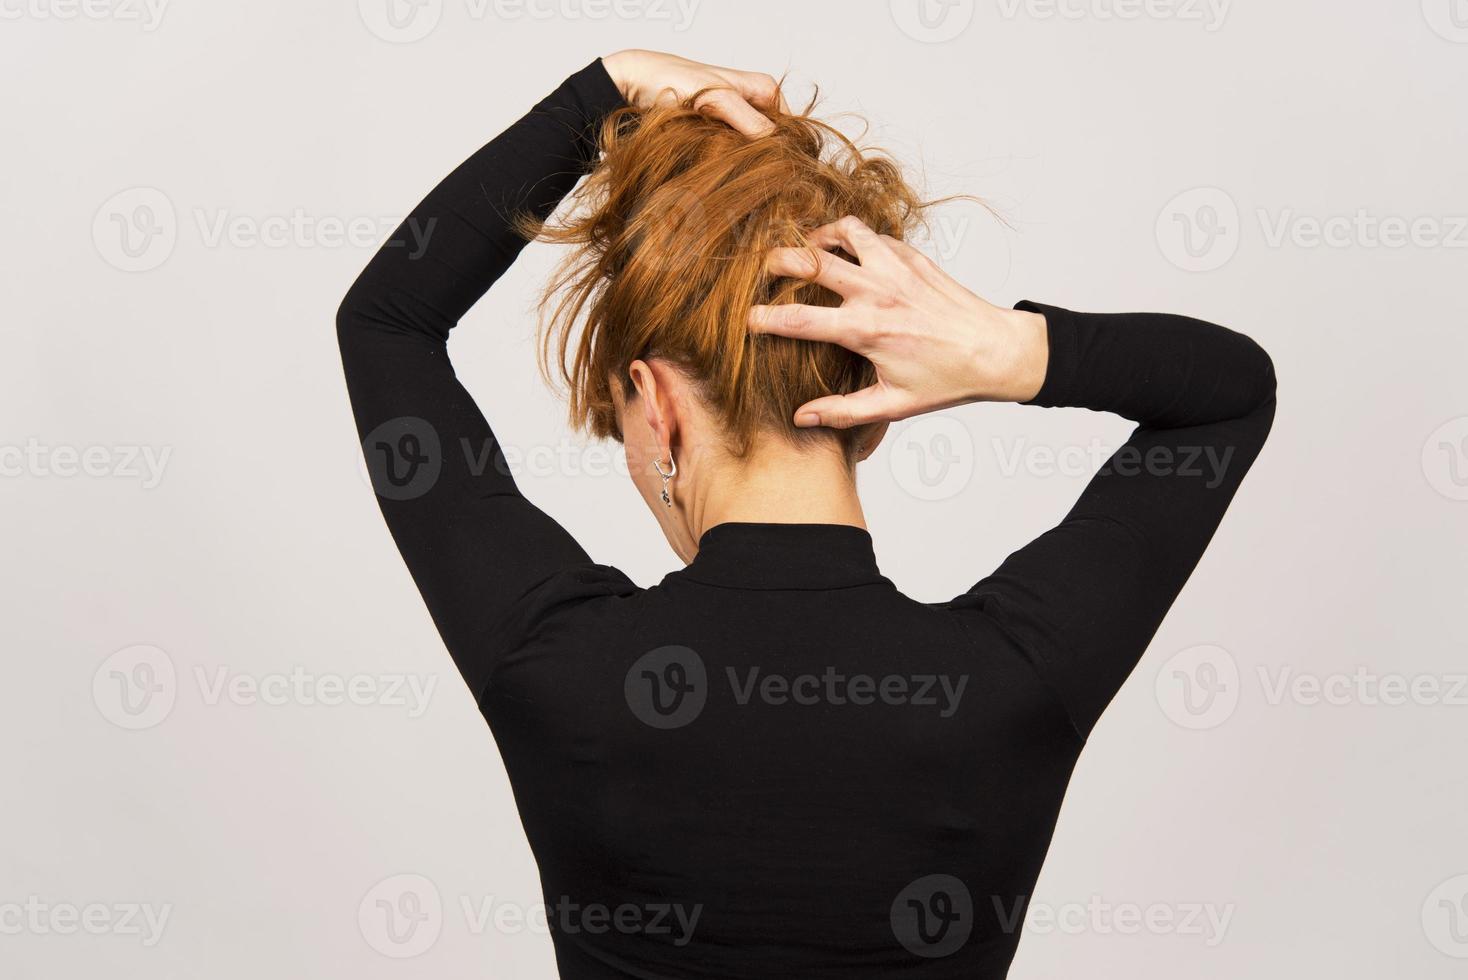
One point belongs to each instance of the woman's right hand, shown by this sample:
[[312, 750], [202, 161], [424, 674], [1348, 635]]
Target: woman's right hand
[[934, 343], [648, 78]]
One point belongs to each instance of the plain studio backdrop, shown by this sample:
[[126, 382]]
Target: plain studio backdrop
[[233, 744]]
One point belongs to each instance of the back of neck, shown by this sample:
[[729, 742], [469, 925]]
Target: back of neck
[[777, 482]]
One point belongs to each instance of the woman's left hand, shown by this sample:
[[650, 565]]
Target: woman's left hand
[[934, 343], [648, 78]]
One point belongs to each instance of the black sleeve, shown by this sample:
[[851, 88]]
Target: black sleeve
[[1085, 598], [473, 544]]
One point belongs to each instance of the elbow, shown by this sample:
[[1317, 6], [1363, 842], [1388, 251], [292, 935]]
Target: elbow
[[1261, 373], [1268, 382], [374, 308], [1261, 415], [344, 317], [349, 317]]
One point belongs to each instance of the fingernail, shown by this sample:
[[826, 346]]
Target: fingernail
[[807, 419]]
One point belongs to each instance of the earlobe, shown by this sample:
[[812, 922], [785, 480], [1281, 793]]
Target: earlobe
[[868, 438]]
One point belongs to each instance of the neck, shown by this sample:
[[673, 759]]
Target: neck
[[776, 482]]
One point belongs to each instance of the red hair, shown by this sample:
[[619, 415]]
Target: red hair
[[669, 235]]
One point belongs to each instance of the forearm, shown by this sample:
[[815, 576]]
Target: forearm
[[462, 236], [1157, 369]]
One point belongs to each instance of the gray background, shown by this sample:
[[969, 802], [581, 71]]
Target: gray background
[[1165, 155]]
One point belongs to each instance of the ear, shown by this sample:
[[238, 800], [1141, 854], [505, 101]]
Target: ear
[[869, 437], [655, 395]]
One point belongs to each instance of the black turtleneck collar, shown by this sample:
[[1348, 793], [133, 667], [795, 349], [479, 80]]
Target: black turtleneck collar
[[784, 556]]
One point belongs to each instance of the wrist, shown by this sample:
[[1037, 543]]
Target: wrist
[[1031, 354], [622, 67], [1013, 363]]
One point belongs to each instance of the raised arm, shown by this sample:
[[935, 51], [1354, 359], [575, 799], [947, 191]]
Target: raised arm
[[473, 544], [1085, 598]]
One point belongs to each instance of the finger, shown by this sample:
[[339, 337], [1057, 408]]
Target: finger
[[819, 323], [907, 252], [729, 106], [874, 404], [759, 88], [836, 274], [854, 235]]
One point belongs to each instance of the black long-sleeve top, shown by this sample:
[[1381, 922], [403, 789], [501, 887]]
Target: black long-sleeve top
[[773, 763]]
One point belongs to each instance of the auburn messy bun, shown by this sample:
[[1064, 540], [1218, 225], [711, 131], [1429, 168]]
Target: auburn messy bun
[[669, 234]]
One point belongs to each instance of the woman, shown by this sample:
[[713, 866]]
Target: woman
[[772, 763]]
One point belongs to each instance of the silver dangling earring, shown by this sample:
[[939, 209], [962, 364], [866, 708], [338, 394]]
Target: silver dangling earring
[[672, 472]]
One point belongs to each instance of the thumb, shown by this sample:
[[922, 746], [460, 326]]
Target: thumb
[[874, 404]]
